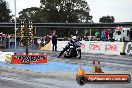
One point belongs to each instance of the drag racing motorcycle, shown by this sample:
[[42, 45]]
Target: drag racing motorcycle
[[71, 50]]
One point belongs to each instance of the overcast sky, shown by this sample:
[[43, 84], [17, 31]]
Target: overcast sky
[[120, 9]]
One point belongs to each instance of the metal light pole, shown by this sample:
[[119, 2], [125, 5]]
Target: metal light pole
[[90, 32], [15, 21], [91, 21]]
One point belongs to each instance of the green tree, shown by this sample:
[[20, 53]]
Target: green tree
[[5, 16], [61, 11], [107, 19], [4, 11], [65, 11], [28, 13]]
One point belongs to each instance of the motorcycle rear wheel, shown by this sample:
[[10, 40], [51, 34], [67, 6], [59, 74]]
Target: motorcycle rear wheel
[[78, 54]]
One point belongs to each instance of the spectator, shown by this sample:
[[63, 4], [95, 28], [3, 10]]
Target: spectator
[[85, 38], [106, 35], [47, 39], [70, 38], [79, 38], [64, 38], [5, 41], [12, 42], [102, 35], [111, 35], [54, 41], [18, 40], [97, 35], [42, 42], [35, 42], [0, 38]]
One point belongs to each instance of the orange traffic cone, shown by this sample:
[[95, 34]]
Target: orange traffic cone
[[96, 68]]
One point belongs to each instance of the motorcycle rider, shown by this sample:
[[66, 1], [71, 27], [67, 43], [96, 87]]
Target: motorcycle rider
[[73, 42]]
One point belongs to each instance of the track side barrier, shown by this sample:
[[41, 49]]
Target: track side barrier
[[14, 58], [97, 47]]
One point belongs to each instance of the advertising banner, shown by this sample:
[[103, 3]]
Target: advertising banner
[[29, 59], [95, 47], [100, 47], [113, 48]]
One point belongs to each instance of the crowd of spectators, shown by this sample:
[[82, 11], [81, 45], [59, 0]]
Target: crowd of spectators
[[106, 35], [8, 40], [103, 35]]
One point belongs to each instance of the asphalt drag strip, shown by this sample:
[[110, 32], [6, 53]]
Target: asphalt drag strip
[[13, 78]]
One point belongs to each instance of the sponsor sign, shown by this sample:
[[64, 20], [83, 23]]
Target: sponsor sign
[[29, 59], [103, 78], [113, 48], [83, 78], [108, 78], [95, 47]]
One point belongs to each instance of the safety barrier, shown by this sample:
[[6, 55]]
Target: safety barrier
[[29, 59], [97, 47], [13, 58]]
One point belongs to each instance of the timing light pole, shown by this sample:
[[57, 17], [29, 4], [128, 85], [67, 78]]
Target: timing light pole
[[26, 33]]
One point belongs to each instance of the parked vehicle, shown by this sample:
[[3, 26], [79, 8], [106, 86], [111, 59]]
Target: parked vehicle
[[121, 34]]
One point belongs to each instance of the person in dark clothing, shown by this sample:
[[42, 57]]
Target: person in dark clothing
[[106, 34], [111, 35], [18, 40], [47, 39], [35, 42], [130, 35], [54, 42]]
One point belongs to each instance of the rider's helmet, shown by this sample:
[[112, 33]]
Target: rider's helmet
[[74, 37]]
